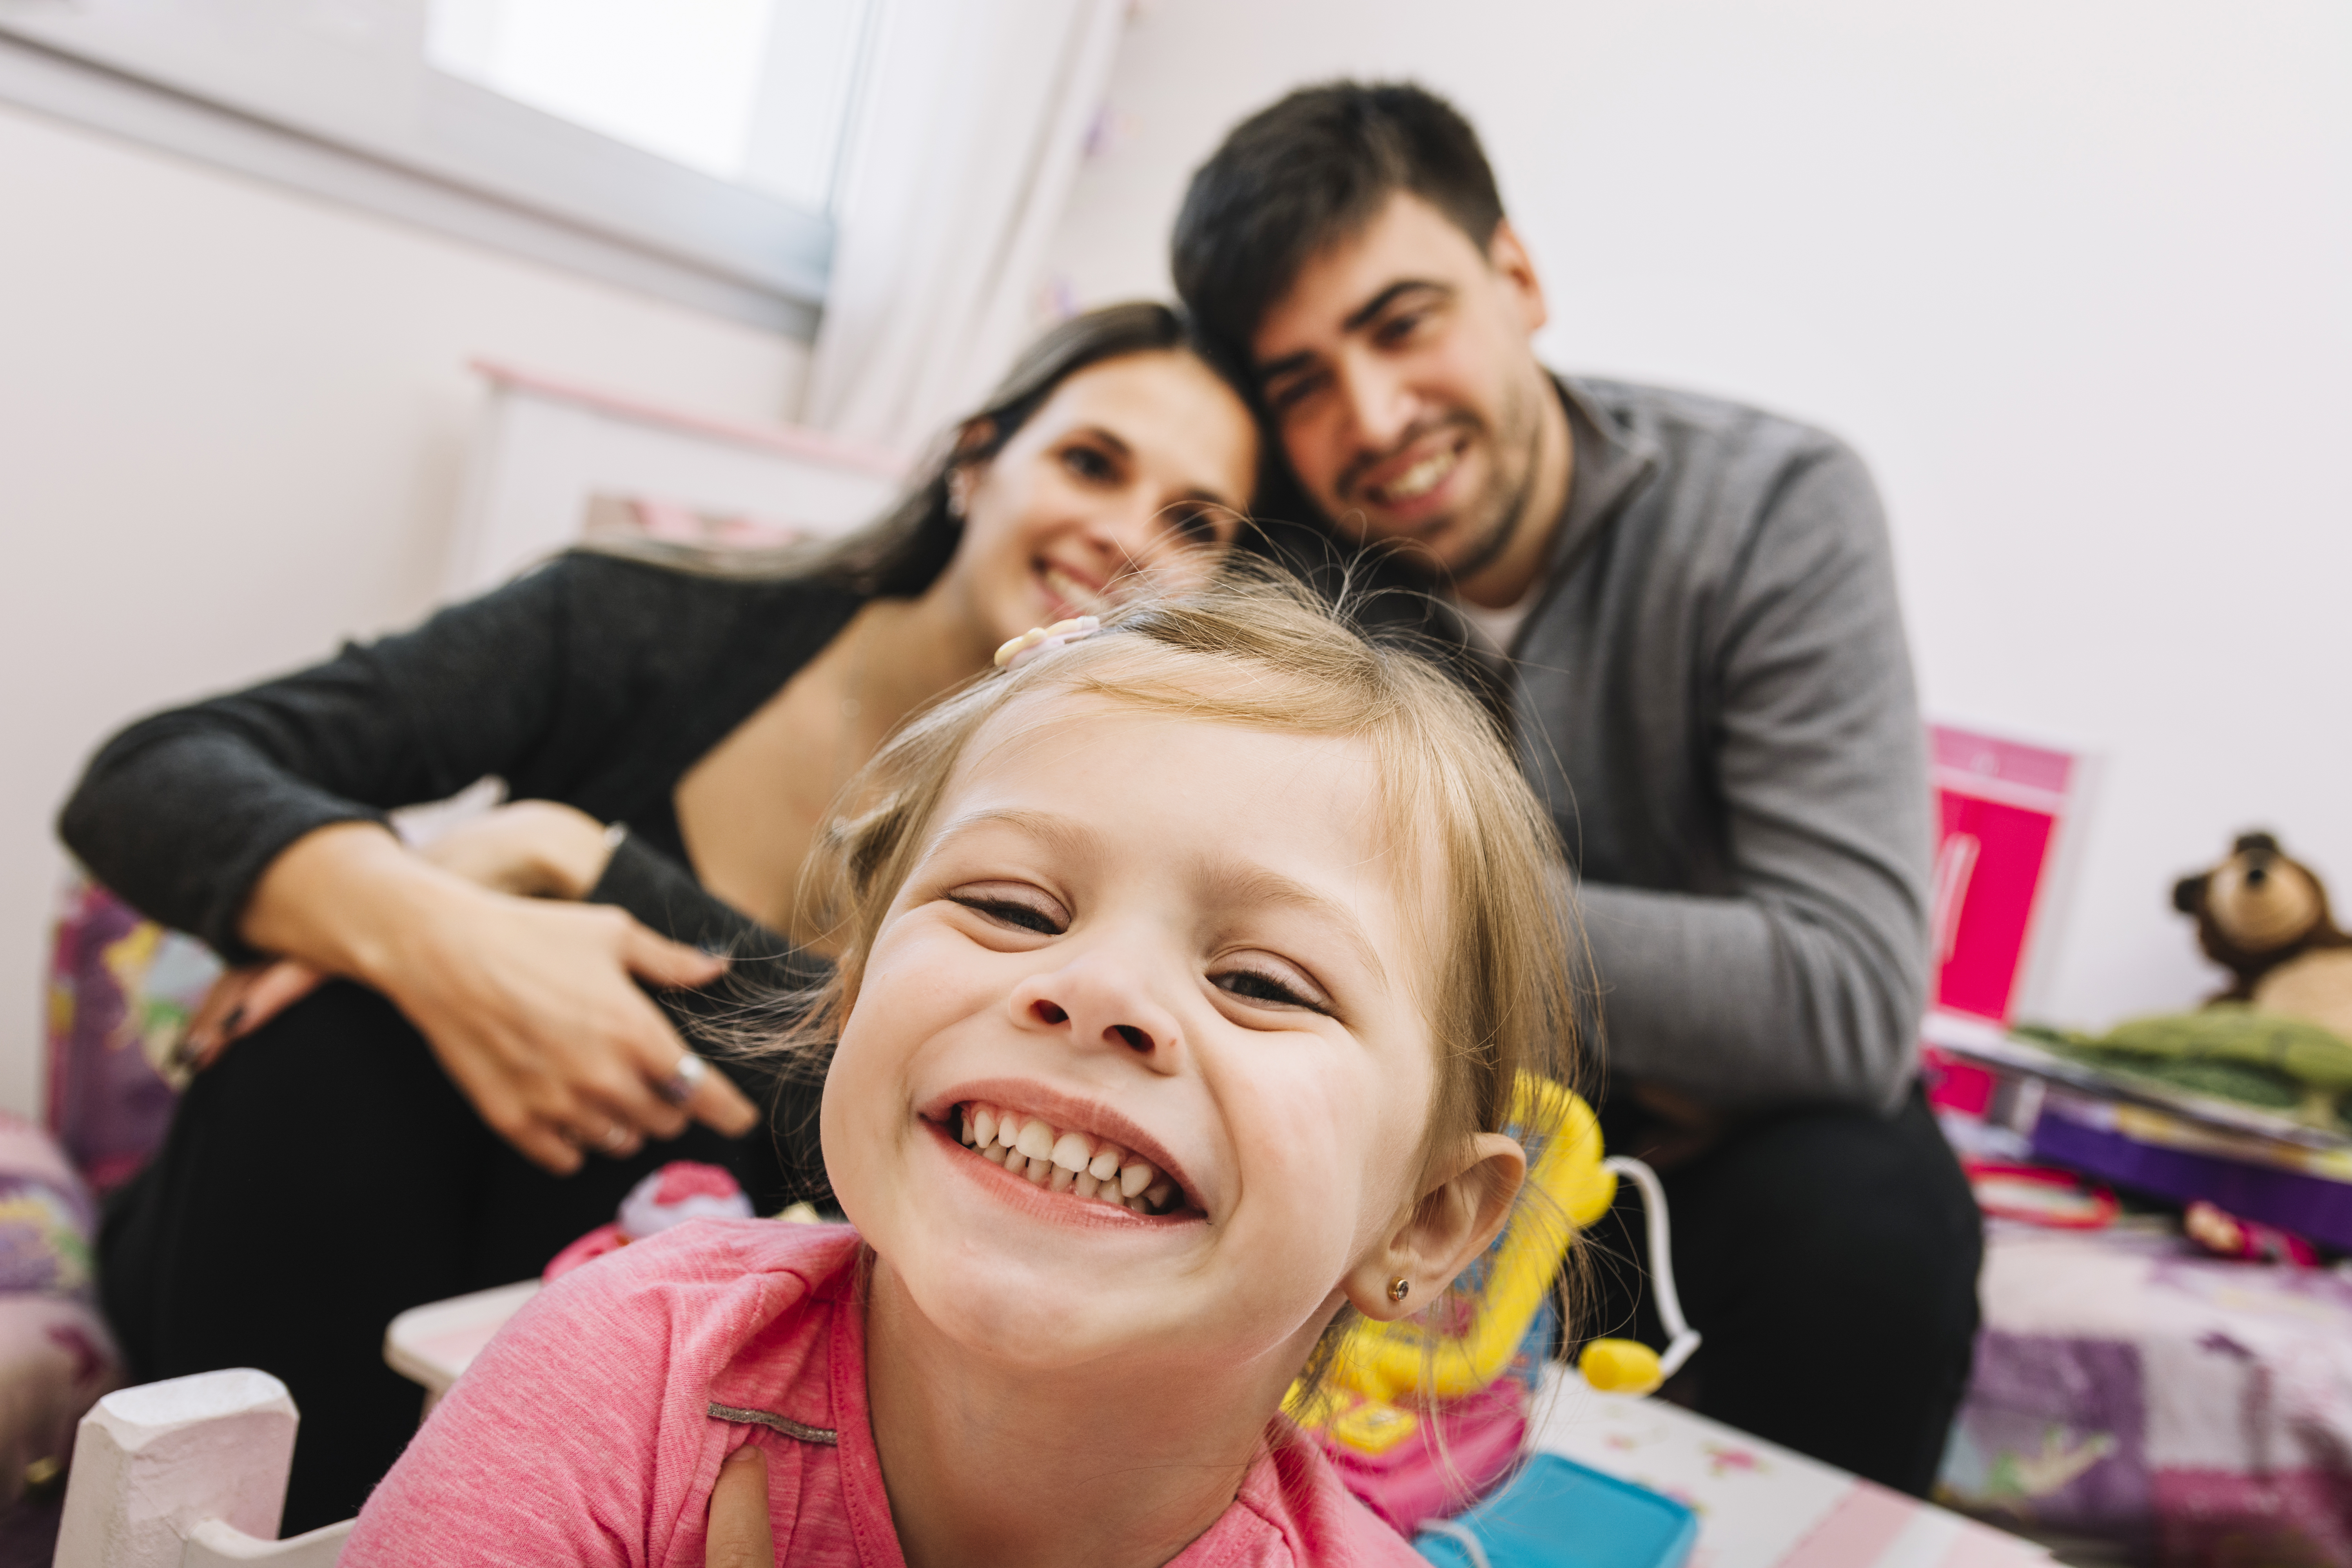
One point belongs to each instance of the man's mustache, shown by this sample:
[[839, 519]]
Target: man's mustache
[[1352, 476]]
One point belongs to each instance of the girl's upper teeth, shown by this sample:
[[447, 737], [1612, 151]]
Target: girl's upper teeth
[[1069, 1162]]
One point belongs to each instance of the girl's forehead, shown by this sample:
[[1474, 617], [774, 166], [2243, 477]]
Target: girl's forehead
[[1162, 784], [1066, 737]]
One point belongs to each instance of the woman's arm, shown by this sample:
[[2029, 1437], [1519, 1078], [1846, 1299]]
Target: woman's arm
[[255, 821]]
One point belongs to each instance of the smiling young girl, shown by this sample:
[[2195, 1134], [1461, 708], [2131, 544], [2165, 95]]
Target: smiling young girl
[[1228, 934]]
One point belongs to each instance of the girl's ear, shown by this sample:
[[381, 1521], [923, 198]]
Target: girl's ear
[[1453, 1223]]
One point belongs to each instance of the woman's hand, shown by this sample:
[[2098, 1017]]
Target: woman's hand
[[534, 1008], [240, 1002], [531, 1006], [738, 1535], [533, 849]]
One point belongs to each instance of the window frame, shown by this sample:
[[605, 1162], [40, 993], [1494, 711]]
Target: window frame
[[357, 114]]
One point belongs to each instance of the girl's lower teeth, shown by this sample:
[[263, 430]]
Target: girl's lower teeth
[[1065, 1162]]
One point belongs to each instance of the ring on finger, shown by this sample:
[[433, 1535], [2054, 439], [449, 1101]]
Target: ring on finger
[[616, 1137], [680, 1087]]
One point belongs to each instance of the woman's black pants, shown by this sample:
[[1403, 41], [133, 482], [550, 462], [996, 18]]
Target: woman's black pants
[[324, 1175]]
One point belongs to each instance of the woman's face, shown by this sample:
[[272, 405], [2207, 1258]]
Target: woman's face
[[1133, 472]]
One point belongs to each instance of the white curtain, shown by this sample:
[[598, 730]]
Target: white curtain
[[975, 118]]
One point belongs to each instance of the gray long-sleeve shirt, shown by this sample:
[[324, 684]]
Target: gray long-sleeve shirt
[[1713, 693]]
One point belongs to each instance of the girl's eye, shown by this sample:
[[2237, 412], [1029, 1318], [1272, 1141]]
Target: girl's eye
[[1007, 908], [1271, 987]]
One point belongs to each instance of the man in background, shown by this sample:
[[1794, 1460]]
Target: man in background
[[1690, 609]]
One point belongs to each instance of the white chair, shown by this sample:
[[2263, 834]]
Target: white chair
[[189, 1473], [433, 1344]]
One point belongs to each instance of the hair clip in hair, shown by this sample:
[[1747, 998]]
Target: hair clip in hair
[[1038, 640]]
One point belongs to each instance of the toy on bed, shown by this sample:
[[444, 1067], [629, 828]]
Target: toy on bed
[[55, 1357], [2279, 1038], [2263, 917], [1425, 1414], [680, 1191]]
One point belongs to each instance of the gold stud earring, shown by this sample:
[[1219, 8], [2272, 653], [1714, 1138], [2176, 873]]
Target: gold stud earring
[[1400, 1287]]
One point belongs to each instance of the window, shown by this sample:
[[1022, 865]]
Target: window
[[686, 146], [753, 92]]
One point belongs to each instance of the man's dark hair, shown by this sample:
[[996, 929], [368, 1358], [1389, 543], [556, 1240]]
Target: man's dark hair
[[1312, 169]]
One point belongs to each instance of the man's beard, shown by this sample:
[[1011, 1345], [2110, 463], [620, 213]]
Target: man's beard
[[1506, 496], [1491, 521]]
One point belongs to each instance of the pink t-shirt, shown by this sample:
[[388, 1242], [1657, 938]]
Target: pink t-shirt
[[592, 1430]]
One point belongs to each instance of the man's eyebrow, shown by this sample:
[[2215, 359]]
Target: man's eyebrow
[[1228, 885], [1357, 319], [1369, 312]]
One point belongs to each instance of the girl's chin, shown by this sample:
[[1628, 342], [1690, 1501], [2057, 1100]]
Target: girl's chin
[[1031, 1320]]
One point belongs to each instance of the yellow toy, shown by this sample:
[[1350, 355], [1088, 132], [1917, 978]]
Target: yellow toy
[[1465, 1344]]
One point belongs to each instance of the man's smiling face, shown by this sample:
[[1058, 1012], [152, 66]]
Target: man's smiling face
[[1399, 373]]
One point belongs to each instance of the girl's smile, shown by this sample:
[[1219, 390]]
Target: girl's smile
[[1050, 1140]]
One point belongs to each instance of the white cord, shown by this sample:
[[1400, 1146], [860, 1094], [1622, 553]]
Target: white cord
[[1683, 1339]]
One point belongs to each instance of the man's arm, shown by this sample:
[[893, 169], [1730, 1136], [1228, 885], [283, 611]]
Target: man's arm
[[1807, 983]]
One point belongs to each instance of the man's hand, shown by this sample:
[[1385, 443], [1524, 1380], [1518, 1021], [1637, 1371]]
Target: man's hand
[[739, 1534]]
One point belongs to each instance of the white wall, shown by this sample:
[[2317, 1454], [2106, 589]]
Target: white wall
[[2076, 279], [231, 426]]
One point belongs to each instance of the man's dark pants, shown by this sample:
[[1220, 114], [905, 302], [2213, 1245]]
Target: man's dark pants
[[1829, 1260]]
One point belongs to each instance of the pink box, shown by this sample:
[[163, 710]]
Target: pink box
[[2001, 806]]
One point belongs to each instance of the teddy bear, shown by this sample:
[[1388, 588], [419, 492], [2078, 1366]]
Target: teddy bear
[[2263, 917]]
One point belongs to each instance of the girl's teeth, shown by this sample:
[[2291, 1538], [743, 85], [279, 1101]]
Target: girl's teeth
[[1037, 1140], [1067, 1161]]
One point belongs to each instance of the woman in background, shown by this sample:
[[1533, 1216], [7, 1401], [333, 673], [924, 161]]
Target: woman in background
[[480, 1083]]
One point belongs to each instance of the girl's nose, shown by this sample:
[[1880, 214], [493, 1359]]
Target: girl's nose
[[1097, 1004]]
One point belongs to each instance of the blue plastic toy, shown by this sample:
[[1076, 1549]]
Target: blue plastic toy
[[1557, 1513]]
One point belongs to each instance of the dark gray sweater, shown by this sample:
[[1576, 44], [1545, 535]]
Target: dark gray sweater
[[1714, 695]]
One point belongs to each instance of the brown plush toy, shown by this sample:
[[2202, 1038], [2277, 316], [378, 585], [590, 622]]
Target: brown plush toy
[[2263, 917]]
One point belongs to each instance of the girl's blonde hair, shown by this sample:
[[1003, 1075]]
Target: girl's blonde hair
[[1466, 837]]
